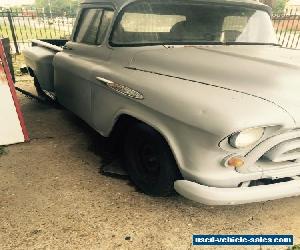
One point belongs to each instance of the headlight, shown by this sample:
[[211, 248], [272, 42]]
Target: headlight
[[246, 138]]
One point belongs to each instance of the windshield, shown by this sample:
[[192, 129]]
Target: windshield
[[146, 23]]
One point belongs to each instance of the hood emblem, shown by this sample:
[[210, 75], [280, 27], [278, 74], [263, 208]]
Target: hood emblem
[[121, 89]]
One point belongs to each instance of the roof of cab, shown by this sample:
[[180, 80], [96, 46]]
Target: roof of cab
[[118, 4]]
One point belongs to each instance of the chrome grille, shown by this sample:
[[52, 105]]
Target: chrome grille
[[285, 151], [281, 151]]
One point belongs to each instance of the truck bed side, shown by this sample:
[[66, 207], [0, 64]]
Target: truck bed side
[[39, 60]]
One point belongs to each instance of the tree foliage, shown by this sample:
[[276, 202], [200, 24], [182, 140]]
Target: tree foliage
[[279, 6], [58, 6]]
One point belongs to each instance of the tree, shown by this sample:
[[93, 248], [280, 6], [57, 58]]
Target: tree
[[271, 3], [279, 7], [58, 6]]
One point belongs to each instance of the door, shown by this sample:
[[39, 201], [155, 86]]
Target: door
[[73, 66]]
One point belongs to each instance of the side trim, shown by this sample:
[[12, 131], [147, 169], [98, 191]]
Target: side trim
[[121, 89]]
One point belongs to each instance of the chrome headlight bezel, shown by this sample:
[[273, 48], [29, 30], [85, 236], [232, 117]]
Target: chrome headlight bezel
[[246, 138]]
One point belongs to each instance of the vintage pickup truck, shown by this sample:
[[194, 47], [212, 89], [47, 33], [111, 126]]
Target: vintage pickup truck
[[198, 93]]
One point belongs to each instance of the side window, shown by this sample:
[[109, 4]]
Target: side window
[[105, 22], [88, 26], [93, 25]]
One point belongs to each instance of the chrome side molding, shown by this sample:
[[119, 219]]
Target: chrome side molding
[[121, 89]]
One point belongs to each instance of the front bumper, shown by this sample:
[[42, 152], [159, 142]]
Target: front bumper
[[234, 196]]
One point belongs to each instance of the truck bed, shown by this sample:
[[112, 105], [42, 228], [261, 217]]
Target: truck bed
[[39, 58]]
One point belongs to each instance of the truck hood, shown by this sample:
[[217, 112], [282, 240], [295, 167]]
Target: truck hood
[[268, 72]]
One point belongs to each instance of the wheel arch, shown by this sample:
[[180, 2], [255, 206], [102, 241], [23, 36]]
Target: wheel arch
[[125, 119]]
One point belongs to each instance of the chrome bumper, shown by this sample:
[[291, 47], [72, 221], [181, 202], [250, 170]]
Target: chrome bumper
[[234, 196]]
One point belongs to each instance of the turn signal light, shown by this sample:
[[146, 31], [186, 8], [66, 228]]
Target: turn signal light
[[235, 162]]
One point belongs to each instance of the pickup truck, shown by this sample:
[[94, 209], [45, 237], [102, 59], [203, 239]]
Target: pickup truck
[[198, 93]]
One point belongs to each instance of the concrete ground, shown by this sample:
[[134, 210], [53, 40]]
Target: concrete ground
[[53, 196]]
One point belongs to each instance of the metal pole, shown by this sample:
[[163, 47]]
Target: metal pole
[[50, 8], [13, 32]]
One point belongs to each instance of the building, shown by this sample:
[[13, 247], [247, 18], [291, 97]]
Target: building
[[293, 6]]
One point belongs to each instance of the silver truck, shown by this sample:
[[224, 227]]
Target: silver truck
[[200, 95]]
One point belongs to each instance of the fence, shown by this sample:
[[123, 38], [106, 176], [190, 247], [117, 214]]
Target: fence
[[21, 25], [287, 27]]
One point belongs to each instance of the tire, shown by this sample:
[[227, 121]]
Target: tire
[[149, 161]]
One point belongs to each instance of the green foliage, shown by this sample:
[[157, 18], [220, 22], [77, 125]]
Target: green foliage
[[58, 6], [279, 7]]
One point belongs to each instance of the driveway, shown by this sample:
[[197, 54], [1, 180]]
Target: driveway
[[53, 196]]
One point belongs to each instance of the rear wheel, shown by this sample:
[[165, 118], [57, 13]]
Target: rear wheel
[[149, 161]]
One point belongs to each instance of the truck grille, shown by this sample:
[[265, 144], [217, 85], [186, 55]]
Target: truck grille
[[279, 151], [276, 158], [285, 151]]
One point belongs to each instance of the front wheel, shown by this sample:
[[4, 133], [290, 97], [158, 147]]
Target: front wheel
[[149, 161]]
